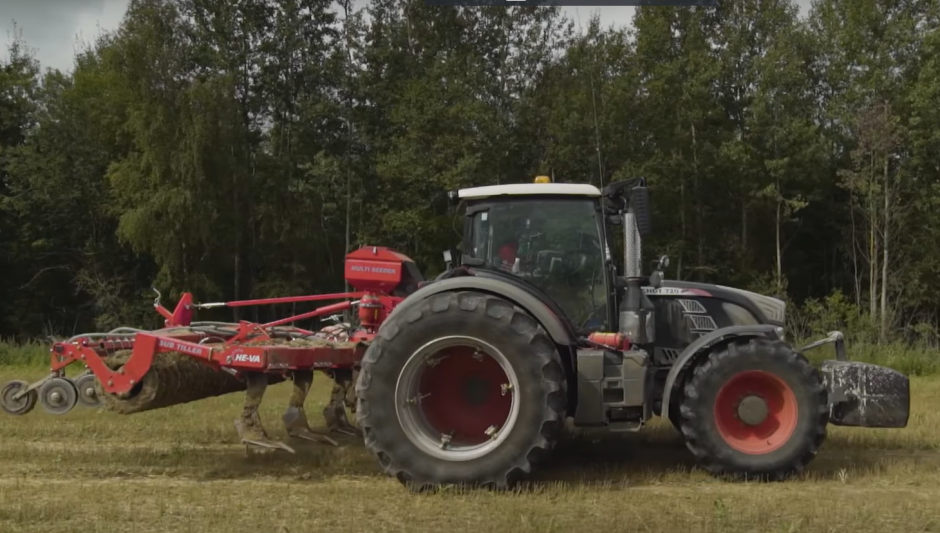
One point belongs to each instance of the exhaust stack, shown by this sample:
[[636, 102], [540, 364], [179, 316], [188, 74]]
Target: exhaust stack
[[637, 321], [632, 246]]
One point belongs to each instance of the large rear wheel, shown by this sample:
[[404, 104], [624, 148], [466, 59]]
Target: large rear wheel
[[754, 409], [462, 388]]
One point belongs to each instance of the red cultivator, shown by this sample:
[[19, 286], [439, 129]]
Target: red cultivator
[[131, 370]]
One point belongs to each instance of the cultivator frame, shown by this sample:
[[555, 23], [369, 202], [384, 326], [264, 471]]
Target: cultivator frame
[[275, 348]]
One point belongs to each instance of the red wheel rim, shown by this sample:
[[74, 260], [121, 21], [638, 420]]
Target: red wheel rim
[[464, 395], [767, 435]]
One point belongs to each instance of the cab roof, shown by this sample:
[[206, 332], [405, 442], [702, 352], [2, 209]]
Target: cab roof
[[529, 189]]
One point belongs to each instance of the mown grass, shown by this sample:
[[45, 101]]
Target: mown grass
[[180, 469]]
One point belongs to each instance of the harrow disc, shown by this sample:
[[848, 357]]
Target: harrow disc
[[173, 379], [87, 390], [21, 406], [58, 396]]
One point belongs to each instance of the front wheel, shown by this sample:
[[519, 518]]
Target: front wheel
[[462, 388], [754, 409]]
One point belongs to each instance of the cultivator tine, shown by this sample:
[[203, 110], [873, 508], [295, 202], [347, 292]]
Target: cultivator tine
[[250, 437], [296, 422], [295, 419], [249, 426], [335, 412]]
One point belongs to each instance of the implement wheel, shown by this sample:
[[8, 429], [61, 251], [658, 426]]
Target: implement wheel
[[21, 406], [58, 396], [755, 409], [87, 392], [463, 388]]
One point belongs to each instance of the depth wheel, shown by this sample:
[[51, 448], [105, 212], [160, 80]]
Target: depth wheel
[[463, 389], [58, 396], [755, 409], [21, 406], [87, 391]]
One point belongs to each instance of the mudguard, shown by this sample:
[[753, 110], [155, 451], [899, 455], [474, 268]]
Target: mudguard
[[539, 310], [866, 395], [703, 343]]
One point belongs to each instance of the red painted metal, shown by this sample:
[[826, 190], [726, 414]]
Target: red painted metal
[[465, 396], [293, 299], [774, 431], [182, 315], [320, 311], [375, 269], [247, 346], [370, 311], [616, 341]]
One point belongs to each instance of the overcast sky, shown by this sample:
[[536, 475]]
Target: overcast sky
[[52, 28]]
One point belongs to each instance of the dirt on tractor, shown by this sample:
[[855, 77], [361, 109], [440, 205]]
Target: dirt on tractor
[[182, 469]]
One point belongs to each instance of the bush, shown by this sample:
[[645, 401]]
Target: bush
[[24, 354]]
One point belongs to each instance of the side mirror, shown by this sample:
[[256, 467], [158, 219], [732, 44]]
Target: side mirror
[[448, 259], [615, 220], [656, 279], [659, 265]]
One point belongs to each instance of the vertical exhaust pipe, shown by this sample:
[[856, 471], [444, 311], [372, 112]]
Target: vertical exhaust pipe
[[637, 321], [632, 246]]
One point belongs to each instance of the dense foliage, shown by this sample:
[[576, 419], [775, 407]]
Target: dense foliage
[[238, 149]]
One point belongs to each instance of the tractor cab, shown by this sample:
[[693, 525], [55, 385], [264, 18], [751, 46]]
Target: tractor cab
[[551, 235]]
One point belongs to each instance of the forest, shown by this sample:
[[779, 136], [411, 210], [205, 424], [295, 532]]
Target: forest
[[240, 149]]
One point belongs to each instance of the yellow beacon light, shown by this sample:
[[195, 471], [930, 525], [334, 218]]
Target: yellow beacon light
[[542, 179]]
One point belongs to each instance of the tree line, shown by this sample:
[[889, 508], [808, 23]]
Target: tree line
[[238, 149]]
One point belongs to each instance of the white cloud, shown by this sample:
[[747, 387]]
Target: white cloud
[[54, 28]]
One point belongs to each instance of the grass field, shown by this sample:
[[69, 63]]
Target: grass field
[[181, 469]]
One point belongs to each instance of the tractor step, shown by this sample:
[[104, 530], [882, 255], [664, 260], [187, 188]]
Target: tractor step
[[612, 389]]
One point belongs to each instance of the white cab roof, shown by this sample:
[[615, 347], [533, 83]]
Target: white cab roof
[[570, 189]]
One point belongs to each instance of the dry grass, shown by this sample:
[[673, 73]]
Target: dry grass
[[180, 470]]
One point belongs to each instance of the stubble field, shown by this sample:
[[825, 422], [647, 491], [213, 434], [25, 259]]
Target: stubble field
[[181, 469]]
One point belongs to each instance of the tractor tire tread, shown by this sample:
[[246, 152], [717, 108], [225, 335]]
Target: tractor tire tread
[[721, 462], [509, 318]]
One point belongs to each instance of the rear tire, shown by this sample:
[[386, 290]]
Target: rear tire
[[770, 438], [517, 350]]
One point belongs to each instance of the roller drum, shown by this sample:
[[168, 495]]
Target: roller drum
[[173, 379]]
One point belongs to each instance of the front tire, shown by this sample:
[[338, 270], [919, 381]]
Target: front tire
[[754, 409], [462, 388]]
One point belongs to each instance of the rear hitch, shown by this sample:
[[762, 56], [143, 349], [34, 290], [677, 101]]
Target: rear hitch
[[863, 394]]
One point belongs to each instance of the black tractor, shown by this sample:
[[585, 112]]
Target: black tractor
[[472, 377]]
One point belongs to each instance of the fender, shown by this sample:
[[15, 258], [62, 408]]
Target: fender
[[539, 310], [706, 341]]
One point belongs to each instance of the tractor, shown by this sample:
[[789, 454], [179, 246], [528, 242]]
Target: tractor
[[471, 378]]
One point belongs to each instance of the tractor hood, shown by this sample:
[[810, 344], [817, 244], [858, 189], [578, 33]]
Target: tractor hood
[[768, 310]]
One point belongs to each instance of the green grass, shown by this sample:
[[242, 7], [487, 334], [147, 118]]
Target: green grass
[[910, 360], [180, 469], [24, 354]]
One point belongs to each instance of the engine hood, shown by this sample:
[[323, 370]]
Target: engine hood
[[768, 309]]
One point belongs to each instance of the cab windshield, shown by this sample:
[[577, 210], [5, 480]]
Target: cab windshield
[[554, 244]]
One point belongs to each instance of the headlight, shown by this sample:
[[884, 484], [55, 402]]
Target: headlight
[[781, 333]]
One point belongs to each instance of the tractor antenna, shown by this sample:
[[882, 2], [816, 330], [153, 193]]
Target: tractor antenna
[[597, 130]]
